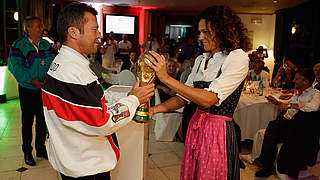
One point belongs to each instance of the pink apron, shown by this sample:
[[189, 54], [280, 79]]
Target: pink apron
[[205, 154]]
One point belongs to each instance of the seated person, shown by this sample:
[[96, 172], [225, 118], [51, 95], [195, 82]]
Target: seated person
[[284, 77], [164, 91], [305, 99], [259, 54], [133, 60], [257, 74], [301, 147], [316, 71]]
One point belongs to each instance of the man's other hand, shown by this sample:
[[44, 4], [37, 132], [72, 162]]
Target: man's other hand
[[36, 83]]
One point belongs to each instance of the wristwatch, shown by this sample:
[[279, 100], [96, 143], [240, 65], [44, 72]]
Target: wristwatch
[[289, 105]]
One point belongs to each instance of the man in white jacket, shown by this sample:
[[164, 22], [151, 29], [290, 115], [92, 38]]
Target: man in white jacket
[[81, 143]]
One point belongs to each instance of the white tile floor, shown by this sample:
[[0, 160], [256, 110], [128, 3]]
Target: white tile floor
[[163, 163]]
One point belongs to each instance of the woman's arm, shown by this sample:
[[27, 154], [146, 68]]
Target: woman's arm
[[170, 105], [199, 96]]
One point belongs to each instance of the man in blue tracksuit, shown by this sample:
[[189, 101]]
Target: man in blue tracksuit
[[29, 60]]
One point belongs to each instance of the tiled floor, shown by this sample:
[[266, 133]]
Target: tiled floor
[[163, 163]]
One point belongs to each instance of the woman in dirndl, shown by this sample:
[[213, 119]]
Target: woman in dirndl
[[215, 85]]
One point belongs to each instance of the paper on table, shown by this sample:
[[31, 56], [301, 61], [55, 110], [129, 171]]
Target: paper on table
[[114, 93], [120, 88]]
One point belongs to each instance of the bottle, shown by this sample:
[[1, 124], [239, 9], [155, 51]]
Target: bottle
[[260, 88]]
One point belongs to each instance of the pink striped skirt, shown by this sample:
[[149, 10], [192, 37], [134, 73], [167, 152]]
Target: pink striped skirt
[[205, 151]]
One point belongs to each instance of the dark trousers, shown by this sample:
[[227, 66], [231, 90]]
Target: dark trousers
[[126, 61], [276, 133], [100, 176], [31, 105]]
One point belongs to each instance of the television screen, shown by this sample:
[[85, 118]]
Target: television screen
[[120, 24]]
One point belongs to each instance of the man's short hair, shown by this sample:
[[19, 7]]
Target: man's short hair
[[307, 74], [316, 65], [28, 22], [73, 15]]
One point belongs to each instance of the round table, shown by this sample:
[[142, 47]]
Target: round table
[[254, 112]]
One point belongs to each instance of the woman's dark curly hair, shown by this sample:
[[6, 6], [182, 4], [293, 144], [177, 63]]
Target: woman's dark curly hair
[[228, 27]]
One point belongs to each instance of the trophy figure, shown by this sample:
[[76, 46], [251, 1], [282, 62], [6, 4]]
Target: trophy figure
[[146, 76]]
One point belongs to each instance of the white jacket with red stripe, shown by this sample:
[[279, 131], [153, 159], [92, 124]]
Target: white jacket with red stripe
[[79, 122]]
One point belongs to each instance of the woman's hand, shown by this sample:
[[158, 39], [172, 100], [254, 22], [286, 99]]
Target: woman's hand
[[158, 64]]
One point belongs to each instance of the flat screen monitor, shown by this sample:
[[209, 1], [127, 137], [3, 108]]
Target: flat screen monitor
[[119, 24]]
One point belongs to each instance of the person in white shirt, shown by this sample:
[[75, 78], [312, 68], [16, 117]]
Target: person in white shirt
[[306, 99], [81, 124], [125, 47], [316, 71], [215, 84], [257, 74]]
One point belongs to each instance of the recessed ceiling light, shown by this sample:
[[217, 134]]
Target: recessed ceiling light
[[275, 1]]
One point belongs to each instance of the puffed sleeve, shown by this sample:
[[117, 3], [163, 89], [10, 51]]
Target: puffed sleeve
[[233, 72]]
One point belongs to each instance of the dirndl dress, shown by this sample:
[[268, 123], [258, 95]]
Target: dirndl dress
[[211, 151]]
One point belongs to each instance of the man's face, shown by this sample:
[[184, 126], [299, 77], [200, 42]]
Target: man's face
[[124, 37], [207, 36], [316, 71], [35, 30], [89, 39], [300, 82], [257, 67]]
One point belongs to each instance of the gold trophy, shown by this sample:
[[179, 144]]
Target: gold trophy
[[146, 76]]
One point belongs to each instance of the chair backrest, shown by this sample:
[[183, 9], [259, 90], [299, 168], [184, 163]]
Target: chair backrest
[[126, 78]]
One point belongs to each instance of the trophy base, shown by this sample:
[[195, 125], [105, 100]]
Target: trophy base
[[141, 119], [142, 115]]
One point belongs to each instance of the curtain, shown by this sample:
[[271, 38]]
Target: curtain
[[42, 9], [158, 25]]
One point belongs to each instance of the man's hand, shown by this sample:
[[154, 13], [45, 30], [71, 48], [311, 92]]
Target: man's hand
[[36, 83], [142, 93], [273, 100], [285, 96]]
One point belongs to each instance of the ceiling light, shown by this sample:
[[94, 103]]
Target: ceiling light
[[275, 1]]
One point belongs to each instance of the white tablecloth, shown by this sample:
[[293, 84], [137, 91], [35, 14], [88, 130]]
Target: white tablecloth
[[254, 112], [167, 124]]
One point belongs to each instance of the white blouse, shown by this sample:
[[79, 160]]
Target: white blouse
[[309, 101], [234, 69]]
